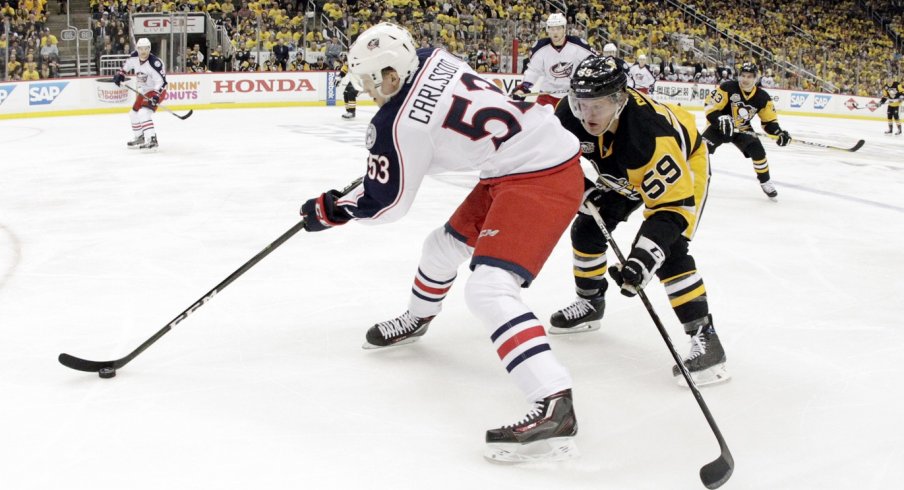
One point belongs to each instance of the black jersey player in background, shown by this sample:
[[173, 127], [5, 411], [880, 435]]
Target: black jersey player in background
[[893, 93], [349, 95], [646, 154], [731, 109]]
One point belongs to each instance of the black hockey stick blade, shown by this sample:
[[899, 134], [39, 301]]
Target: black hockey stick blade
[[185, 116], [716, 473], [73, 362]]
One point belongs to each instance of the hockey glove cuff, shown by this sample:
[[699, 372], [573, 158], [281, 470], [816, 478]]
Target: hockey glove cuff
[[322, 212], [119, 78], [783, 138], [645, 259], [518, 93], [726, 128], [593, 197]]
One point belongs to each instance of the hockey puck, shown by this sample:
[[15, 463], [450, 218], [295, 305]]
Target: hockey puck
[[106, 372]]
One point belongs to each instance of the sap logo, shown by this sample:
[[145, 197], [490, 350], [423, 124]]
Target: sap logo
[[484, 233], [798, 99], [44, 93], [5, 90], [821, 101]]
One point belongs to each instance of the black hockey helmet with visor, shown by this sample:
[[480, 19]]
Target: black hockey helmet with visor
[[594, 96]]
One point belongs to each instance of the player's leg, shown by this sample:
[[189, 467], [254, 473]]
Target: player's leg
[[350, 96], [753, 149], [712, 137], [146, 119], [890, 112], [441, 256], [687, 295], [897, 119], [137, 132], [527, 216]]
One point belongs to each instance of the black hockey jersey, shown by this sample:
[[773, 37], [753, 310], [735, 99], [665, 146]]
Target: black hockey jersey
[[729, 99]]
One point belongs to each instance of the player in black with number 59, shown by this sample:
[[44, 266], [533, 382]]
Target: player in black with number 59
[[646, 154]]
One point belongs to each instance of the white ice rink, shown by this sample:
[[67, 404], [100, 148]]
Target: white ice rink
[[267, 387]]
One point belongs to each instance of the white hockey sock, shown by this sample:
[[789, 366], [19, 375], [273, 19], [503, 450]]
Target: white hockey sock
[[146, 123], [494, 295], [136, 123], [440, 258]]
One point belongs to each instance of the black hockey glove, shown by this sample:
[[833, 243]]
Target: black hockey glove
[[726, 128], [595, 196], [321, 212], [119, 77], [783, 138], [645, 259], [520, 91], [154, 99]]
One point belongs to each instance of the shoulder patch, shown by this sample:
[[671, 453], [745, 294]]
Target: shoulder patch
[[371, 136]]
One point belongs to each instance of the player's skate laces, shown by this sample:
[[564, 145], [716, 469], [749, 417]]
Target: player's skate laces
[[403, 329], [769, 189], [546, 433], [706, 359], [581, 316]]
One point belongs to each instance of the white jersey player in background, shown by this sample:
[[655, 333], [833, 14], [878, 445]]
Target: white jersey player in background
[[552, 61], [437, 115], [640, 77], [151, 75]]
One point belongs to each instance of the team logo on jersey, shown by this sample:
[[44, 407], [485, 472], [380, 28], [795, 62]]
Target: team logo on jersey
[[735, 97], [588, 146], [371, 136], [745, 112], [561, 69], [373, 44], [619, 185]]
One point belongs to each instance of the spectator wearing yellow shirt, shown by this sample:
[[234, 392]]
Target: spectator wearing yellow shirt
[[31, 74]]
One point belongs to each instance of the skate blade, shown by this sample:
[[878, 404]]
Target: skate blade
[[149, 150], [582, 328], [710, 376], [368, 346], [546, 450]]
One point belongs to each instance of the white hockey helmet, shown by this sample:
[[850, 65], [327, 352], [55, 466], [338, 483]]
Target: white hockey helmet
[[556, 20], [642, 58], [143, 43], [610, 50], [384, 45]]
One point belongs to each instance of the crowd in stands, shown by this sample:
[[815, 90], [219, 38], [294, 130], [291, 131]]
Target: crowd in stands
[[28, 50], [834, 40]]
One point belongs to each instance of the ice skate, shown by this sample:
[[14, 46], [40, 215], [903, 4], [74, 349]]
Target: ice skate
[[888, 132], [150, 145], [348, 115], [706, 360], [898, 132], [401, 330], [769, 189], [136, 143], [546, 433], [583, 315]]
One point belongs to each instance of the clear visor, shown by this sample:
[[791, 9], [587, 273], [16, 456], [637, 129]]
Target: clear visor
[[597, 113]]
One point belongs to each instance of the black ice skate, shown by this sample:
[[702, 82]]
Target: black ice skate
[[546, 433], [769, 189], [898, 131], [401, 330], [888, 132], [348, 115], [583, 315], [149, 145], [706, 360], [136, 143]]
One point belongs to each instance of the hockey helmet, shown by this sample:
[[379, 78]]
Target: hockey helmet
[[610, 50], [384, 45], [143, 46], [598, 76], [749, 68], [556, 20]]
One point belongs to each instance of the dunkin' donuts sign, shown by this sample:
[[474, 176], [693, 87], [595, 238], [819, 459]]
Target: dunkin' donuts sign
[[109, 93]]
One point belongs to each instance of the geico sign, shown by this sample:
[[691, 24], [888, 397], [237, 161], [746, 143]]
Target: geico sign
[[272, 85]]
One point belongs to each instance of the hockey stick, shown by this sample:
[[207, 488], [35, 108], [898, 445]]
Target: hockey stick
[[180, 116], [717, 472], [859, 144], [109, 367]]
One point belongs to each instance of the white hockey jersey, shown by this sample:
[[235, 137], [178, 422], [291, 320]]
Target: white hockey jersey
[[151, 73], [550, 68], [447, 118], [641, 78]]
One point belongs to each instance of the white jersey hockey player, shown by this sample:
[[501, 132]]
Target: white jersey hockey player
[[640, 77], [151, 82], [437, 115], [552, 62]]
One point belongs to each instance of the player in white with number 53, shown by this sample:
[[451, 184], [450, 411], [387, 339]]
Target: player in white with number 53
[[437, 115], [151, 76]]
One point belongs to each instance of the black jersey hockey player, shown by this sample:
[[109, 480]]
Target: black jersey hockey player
[[730, 112], [893, 93], [648, 155]]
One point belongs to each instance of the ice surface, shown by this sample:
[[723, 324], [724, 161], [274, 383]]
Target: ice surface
[[267, 387]]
